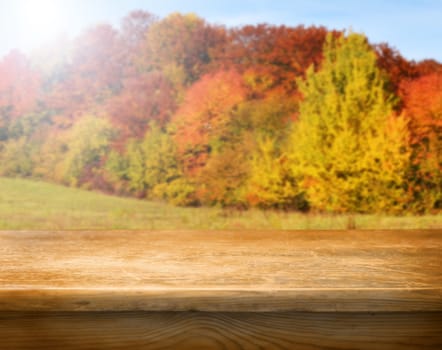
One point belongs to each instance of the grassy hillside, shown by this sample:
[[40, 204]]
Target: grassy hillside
[[26, 205]]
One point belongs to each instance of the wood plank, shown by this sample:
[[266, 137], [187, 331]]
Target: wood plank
[[221, 271], [221, 300], [199, 330]]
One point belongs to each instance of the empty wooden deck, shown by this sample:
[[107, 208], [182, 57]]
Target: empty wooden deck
[[221, 290]]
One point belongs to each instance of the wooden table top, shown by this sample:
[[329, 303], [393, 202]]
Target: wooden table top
[[221, 271]]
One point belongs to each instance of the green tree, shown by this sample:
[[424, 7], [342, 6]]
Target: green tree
[[347, 150], [136, 167], [88, 143], [151, 164], [116, 172], [161, 165], [21, 144], [16, 157]]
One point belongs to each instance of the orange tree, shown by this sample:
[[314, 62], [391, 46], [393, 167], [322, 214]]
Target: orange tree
[[423, 108]]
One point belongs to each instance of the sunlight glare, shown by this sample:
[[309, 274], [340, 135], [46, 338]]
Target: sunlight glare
[[41, 19]]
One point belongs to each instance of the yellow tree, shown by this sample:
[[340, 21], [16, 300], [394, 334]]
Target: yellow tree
[[348, 150], [271, 184]]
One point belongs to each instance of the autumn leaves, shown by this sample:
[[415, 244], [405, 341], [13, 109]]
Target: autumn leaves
[[196, 114]]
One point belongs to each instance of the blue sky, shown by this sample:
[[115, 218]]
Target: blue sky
[[414, 27]]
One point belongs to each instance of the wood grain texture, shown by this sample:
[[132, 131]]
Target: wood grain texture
[[357, 271], [200, 330]]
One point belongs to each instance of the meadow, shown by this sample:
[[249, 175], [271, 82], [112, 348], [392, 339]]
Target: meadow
[[34, 205]]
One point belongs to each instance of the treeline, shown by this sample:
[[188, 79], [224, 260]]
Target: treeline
[[181, 110]]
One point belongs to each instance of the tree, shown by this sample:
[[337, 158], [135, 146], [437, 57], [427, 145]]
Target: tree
[[52, 62], [270, 184], [348, 151], [144, 98], [161, 166], [423, 108], [272, 57], [427, 67], [202, 122], [97, 67], [181, 45], [91, 77], [88, 143], [222, 180], [16, 157], [270, 116], [19, 87], [116, 172], [259, 129], [150, 164], [49, 160], [22, 144], [394, 65], [134, 28], [136, 168]]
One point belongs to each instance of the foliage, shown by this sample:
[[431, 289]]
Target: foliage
[[180, 46], [161, 166], [143, 98], [179, 192], [270, 116], [136, 167], [397, 68], [181, 110], [223, 178], [19, 86], [134, 29], [271, 185], [15, 158], [147, 164], [202, 122], [272, 57], [88, 143], [423, 107], [20, 146], [347, 150]]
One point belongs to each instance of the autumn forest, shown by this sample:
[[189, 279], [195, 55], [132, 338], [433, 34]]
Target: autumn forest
[[196, 114]]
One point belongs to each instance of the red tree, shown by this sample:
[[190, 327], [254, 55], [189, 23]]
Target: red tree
[[19, 86], [428, 66], [144, 98], [134, 29], [396, 66], [273, 56], [93, 75]]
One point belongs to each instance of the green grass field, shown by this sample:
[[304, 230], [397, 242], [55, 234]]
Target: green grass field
[[33, 205]]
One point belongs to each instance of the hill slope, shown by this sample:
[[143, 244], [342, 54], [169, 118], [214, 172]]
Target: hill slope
[[33, 205]]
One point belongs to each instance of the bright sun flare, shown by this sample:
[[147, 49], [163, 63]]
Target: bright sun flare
[[41, 19]]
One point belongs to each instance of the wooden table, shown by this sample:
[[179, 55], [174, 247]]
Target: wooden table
[[221, 290]]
